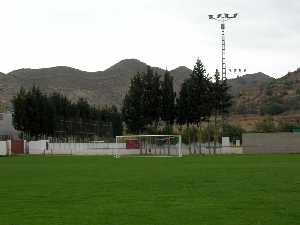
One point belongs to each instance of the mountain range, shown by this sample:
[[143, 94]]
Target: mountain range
[[100, 88], [110, 86]]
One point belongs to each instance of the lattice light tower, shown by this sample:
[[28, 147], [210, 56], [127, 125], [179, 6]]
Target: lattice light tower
[[222, 18], [237, 71]]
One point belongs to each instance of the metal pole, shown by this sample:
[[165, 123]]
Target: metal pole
[[223, 51], [180, 149], [223, 17]]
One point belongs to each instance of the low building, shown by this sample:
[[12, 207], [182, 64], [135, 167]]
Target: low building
[[7, 130]]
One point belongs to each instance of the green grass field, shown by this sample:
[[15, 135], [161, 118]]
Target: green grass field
[[225, 190]]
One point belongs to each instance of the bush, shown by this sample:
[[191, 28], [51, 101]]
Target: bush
[[293, 103], [245, 109], [287, 127], [269, 91], [288, 83], [273, 108], [195, 134], [266, 126], [189, 134], [233, 132]]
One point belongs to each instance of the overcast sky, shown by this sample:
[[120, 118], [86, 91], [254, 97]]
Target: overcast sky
[[94, 34]]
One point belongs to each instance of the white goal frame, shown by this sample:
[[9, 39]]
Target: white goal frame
[[128, 137]]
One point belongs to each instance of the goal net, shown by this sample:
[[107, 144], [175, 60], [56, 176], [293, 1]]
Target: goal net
[[153, 145]]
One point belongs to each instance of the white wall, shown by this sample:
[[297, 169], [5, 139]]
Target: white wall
[[172, 150], [38, 147], [89, 149], [206, 151], [3, 148]]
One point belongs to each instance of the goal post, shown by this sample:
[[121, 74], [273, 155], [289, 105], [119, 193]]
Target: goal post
[[153, 145]]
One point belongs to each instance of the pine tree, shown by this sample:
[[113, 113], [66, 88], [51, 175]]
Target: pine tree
[[184, 108], [19, 115], [194, 103], [152, 97], [168, 111], [200, 94], [183, 104], [226, 99], [217, 105], [221, 103], [132, 110]]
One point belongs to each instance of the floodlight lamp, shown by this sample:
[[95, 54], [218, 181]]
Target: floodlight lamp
[[235, 15], [227, 15], [210, 16], [219, 16]]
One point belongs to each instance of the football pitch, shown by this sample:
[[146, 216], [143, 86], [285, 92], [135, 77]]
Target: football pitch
[[227, 190]]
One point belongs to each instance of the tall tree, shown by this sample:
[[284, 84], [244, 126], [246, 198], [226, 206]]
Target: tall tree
[[194, 102], [168, 111], [133, 107], [19, 116], [217, 105], [221, 103], [200, 94], [184, 108], [226, 102], [183, 104], [226, 98], [152, 97]]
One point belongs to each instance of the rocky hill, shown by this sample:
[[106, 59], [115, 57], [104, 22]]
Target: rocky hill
[[275, 96], [248, 82], [250, 92], [100, 88]]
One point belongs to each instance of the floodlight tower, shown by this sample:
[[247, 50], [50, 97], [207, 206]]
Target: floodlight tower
[[237, 71], [223, 17]]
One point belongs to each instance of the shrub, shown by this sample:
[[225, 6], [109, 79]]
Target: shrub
[[233, 132], [266, 126], [273, 108]]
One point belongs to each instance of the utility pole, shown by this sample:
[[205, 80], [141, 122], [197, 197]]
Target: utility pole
[[222, 18]]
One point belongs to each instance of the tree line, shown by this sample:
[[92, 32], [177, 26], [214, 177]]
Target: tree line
[[151, 101], [37, 114], [151, 104]]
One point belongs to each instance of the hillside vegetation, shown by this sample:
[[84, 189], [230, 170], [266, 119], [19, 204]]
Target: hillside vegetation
[[272, 97], [253, 93]]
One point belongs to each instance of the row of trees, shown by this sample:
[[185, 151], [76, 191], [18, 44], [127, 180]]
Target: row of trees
[[151, 100], [206, 134], [36, 114]]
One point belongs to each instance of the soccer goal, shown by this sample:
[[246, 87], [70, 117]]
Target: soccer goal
[[153, 145]]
